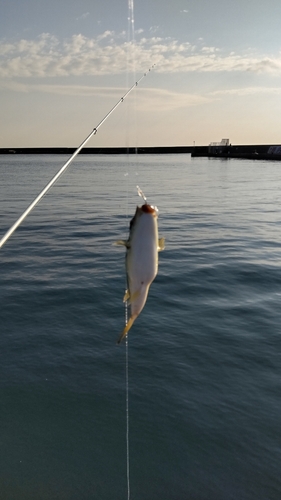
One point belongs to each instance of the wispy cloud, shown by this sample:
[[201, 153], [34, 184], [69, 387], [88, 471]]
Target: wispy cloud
[[247, 91], [149, 98], [83, 16], [47, 56]]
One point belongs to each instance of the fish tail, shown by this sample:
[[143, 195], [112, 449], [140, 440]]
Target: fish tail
[[126, 329]]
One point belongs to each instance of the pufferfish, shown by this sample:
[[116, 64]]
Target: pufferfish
[[142, 247]]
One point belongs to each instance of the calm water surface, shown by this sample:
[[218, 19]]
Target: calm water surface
[[204, 355]]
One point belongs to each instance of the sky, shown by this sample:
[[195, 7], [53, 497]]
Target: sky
[[64, 64]]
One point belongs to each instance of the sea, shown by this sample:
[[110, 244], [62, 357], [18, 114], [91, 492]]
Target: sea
[[204, 356]]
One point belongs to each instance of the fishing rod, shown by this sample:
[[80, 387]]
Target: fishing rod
[[64, 167]]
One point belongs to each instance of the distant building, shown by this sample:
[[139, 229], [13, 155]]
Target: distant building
[[218, 147]]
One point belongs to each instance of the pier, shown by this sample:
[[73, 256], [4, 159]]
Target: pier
[[224, 149], [97, 151]]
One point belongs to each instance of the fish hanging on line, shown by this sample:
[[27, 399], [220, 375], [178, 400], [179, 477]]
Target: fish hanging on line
[[142, 247]]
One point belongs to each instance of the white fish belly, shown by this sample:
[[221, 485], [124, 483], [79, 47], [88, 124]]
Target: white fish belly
[[142, 260]]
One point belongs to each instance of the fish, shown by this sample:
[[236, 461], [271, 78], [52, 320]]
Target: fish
[[142, 247]]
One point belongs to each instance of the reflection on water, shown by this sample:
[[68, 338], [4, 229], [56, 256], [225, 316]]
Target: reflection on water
[[204, 362]]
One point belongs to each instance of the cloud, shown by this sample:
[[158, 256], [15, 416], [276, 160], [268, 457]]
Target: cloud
[[105, 34], [47, 57], [156, 99], [83, 16], [153, 29], [247, 91], [164, 100], [209, 50], [70, 90]]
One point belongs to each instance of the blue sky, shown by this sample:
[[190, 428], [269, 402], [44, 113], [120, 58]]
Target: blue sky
[[64, 64]]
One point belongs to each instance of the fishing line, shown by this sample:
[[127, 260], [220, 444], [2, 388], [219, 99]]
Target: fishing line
[[130, 45], [141, 194], [127, 418], [64, 167]]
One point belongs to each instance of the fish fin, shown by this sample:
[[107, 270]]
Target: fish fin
[[120, 242], [130, 297], [161, 244], [126, 296], [126, 329], [134, 296]]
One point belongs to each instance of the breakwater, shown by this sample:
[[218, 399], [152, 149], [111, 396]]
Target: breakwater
[[251, 152], [107, 151]]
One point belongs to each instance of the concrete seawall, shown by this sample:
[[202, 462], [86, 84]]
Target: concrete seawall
[[251, 152], [107, 151]]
